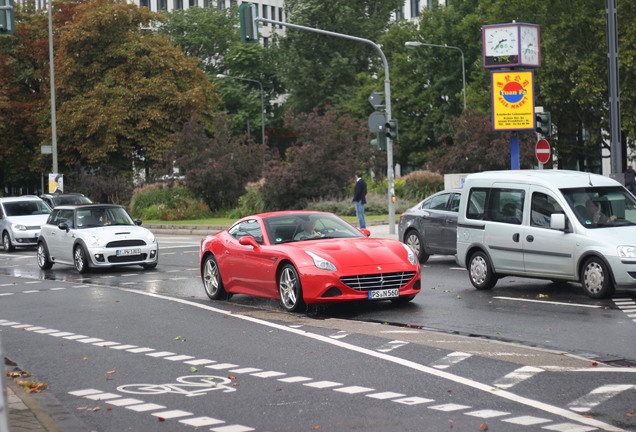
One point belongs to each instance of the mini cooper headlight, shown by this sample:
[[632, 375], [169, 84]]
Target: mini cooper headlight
[[626, 251], [321, 263], [410, 254], [92, 240], [150, 237]]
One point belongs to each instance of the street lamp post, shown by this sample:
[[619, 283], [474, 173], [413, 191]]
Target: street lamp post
[[417, 44], [223, 76]]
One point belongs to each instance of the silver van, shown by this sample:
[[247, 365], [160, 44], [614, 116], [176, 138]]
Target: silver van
[[548, 224]]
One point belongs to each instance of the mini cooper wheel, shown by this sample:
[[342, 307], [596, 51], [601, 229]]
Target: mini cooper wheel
[[80, 260], [414, 240], [480, 271], [291, 293], [596, 280], [44, 260], [6, 242], [212, 281]]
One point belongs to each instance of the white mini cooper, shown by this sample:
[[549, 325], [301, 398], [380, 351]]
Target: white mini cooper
[[94, 236]]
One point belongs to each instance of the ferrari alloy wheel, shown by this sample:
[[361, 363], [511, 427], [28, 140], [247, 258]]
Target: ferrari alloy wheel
[[596, 279], [6, 242], [414, 240], [291, 293], [79, 259], [481, 273], [44, 260], [212, 281]]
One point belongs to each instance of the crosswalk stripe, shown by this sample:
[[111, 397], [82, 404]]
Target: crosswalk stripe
[[517, 376], [451, 359], [598, 396]]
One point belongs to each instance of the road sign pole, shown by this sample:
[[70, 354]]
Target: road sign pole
[[514, 152]]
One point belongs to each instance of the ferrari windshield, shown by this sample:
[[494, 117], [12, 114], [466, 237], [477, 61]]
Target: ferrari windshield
[[308, 226], [102, 216], [597, 207]]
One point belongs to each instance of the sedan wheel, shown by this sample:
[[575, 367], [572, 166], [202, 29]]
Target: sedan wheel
[[481, 273], [6, 242], [414, 240], [43, 257], [291, 293], [212, 281], [596, 279], [79, 258]]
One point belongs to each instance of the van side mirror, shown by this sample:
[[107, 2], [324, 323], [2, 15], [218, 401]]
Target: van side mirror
[[557, 221]]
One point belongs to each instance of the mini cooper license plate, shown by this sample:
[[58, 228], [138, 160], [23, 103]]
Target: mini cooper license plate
[[381, 294], [124, 252]]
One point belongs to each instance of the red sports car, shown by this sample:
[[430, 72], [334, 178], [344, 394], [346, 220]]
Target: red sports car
[[306, 257]]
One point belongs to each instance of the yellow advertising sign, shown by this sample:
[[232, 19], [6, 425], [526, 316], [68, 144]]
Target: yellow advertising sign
[[513, 100]]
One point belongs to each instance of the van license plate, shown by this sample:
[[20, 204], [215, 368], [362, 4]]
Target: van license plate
[[124, 252], [381, 294]]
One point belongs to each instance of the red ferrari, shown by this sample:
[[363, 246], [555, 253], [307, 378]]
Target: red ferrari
[[306, 257]]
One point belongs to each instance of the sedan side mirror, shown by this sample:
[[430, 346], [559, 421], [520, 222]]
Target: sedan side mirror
[[63, 226]]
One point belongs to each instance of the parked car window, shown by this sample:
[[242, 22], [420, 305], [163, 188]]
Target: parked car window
[[26, 208], [61, 216], [437, 202], [247, 228], [454, 202], [499, 205], [542, 208]]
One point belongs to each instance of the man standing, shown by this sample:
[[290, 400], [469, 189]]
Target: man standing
[[630, 179], [360, 198]]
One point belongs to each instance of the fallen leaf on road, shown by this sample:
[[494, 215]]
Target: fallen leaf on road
[[629, 414], [86, 358], [483, 427], [95, 409], [161, 419], [231, 376], [31, 386], [111, 372], [193, 369]]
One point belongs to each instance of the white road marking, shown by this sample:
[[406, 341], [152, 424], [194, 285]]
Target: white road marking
[[161, 354], [451, 359], [145, 407], [568, 427], [488, 389], [549, 302], [323, 384], [517, 376], [413, 400], [390, 346], [124, 401], [485, 414], [220, 366], [232, 428], [171, 414], [526, 420], [199, 362], [102, 396], [268, 374], [341, 334], [294, 379], [353, 389], [385, 395], [598, 396], [449, 407], [198, 422]]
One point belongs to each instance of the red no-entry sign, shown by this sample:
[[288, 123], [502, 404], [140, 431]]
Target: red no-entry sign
[[542, 150]]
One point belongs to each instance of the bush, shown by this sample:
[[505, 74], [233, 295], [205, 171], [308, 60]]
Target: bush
[[377, 204], [249, 203], [158, 201], [417, 185]]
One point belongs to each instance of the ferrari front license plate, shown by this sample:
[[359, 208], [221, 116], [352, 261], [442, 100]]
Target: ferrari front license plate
[[381, 294], [128, 252]]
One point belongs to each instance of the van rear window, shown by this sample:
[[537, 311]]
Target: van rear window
[[496, 204]]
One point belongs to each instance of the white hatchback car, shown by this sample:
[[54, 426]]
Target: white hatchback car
[[20, 220], [94, 236]]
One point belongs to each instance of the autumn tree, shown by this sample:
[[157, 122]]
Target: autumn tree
[[217, 164], [329, 148], [123, 91]]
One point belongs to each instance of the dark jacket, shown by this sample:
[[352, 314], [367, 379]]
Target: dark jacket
[[360, 191]]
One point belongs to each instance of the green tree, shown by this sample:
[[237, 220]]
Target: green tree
[[123, 91], [318, 69], [204, 33]]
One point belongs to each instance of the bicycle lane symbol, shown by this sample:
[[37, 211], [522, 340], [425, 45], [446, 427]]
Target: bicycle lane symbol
[[189, 385]]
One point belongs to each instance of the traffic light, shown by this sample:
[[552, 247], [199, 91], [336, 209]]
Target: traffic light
[[379, 141], [248, 27], [7, 23], [544, 123], [392, 129]]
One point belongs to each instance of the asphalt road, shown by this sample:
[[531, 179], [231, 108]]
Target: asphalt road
[[129, 349]]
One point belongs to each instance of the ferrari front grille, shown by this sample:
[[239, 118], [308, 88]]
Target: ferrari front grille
[[378, 281]]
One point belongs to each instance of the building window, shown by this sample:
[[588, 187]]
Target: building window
[[145, 3], [273, 12], [192, 3], [265, 13], [178, 4], [233, 2], [162, 4], [280, 16], [265, 42], [415, 8]]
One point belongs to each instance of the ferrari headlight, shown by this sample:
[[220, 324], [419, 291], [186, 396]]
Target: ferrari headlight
[[410, 254], [626, 251], [321, 263]]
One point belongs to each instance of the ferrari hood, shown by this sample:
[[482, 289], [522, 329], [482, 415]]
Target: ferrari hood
[[359, 251]]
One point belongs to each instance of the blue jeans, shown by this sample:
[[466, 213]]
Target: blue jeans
[[360, 213]]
